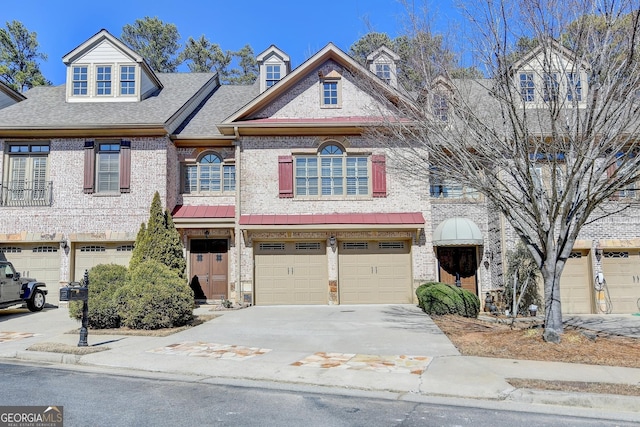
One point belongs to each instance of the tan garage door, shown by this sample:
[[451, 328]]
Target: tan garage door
[[622, 273], [576, 285], [375, 272], [291, 273], [89, 255], [40, 261]]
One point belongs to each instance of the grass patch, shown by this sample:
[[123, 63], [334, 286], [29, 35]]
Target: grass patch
[[197, 320], [52, 347]]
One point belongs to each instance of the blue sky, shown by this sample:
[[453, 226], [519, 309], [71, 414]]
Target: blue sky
[[298, 27]]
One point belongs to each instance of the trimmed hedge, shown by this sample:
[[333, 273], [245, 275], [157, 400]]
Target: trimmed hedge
[[440, 299], [104, 282], [155, 297]]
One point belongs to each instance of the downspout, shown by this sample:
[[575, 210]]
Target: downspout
[[238, 235]]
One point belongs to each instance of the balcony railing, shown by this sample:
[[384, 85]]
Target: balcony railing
[[26, 193]]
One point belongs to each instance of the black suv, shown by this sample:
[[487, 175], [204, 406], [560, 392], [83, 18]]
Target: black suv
[[16, 290]]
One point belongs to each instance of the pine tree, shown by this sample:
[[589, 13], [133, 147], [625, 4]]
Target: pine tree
[[159, 240]]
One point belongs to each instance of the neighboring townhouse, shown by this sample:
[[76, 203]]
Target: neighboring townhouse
[[80, 162], [278, 193], [8, 96]]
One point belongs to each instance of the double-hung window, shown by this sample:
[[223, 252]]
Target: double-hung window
[[574, 87], [273, 75], [330, 96], [209, 175], [384, 72], [127, 80], [551, 87], [27, 183], [103, 80], [107, 167], [527, 87], [80, 80]]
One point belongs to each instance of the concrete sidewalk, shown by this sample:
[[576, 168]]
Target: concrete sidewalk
[[390, 348]]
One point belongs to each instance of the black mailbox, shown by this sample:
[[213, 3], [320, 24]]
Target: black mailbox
[[74, 293]]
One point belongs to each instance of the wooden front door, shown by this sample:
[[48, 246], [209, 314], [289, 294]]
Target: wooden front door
[[209, 268], [461, 260]]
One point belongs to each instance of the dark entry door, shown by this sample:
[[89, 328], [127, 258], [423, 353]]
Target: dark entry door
[[209, 267], [460, 261]]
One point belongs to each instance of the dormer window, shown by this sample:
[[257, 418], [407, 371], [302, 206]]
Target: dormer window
[[127, 80], [384, 72], [527, 87], [441, 107], [382, 62], [273, 75], [551, 87], [80, 80], [104, 69], [574, 87], [103, 80]]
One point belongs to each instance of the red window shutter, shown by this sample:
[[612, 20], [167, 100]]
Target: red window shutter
[[379, 176], [89, 166], [285, 176], [125, 166]]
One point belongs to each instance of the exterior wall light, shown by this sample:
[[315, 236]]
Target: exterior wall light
[[332, 241]]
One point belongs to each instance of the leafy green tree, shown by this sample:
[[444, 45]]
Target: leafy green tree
[[159, 240], [247, 71], [19, 57], [155, 41], [202, 56]]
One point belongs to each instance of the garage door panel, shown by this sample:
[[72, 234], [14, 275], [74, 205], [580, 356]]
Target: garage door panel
[[89, 255], [40, 261], [290, 273], [375, 273], [575, 285], [621, 271]]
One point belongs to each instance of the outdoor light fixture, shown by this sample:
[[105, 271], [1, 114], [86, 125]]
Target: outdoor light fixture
[[332, 241], [206, 234], [64, 244], [598, 254]]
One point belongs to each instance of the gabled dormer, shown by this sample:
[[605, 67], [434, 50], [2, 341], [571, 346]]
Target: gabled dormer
[[273, 65], [383, 63], [549, 73], [104, 69]]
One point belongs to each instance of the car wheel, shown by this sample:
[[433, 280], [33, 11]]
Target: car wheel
[[36, 302]]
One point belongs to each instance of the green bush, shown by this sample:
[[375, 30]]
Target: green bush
[[441, 299], [420, 292], [104, 282], [155, 297]]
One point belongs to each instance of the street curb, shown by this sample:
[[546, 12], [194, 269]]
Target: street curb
[[47, 357], [608, 402]]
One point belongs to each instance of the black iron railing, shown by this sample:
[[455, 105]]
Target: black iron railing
[[26, 193]]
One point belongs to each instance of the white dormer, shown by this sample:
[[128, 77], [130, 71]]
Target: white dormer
[[382, 62], [104, 69], [548, 74], [274, 65]]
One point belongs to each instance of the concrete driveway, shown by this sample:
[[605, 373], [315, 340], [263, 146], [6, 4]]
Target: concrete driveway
[[365, 329]]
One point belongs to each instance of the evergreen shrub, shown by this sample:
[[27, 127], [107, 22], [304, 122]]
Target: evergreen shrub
[[155, 297]]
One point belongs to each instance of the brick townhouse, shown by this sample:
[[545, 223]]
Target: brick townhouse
[[279, 196]]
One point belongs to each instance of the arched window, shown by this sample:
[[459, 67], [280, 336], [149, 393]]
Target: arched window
[[209, 175], [331, 173]]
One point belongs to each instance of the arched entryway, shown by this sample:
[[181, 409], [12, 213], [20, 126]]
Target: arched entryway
[[458, 243]]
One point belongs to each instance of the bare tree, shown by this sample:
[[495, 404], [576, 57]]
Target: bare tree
[[550, 147]]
